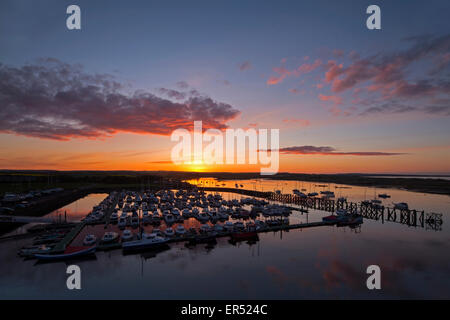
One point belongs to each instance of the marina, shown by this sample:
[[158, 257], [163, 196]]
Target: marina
[[202, 242], [215, 229], [133, 220]]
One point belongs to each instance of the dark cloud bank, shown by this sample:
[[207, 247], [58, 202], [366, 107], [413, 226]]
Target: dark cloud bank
[[55, 100]]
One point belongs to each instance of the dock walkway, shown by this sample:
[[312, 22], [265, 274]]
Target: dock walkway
[[409, 217]]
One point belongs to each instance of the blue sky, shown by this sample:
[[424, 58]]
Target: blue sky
[[154, 44]]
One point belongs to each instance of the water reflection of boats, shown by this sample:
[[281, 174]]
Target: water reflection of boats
[[244, 236], [383, 195], [206, 238], [152, 253]]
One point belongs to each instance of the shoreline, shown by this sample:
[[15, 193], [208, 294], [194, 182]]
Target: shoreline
[[422, 185]]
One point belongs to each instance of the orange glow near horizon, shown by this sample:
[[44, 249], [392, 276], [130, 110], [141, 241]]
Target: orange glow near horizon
[[135, 152]]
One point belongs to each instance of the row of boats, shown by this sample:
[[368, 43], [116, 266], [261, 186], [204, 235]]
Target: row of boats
[[134, 208], [137, 209], [180, 231], [375, 203]]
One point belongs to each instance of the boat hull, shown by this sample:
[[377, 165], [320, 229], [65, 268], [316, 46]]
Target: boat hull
[[66, 255], [142, 246]]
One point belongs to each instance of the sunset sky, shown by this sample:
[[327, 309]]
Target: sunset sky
[[108, 96]]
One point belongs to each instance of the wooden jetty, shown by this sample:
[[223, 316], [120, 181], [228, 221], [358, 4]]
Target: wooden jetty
[[24, 219], [409, 217], [61, 246]]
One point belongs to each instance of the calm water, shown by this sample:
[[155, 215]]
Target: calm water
[[74, 211], [322, 262]]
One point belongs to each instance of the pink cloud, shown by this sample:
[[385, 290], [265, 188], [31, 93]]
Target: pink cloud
[[333, 70], [298, 122], [276, 80], [386, 73], [55, 100], [283, 72], [335, 99]]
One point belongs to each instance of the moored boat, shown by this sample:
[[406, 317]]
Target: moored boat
[[127, 235], [148, 240], [69, 253], [180, 230], [109, 237], [169, 232], [89, 240]]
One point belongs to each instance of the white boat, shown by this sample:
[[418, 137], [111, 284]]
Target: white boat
[[145, 217], [155, 216], [127, 235], [135, 219], [122, 222], [228, 226], [203, 217], [114, 217], [109, 237], [89, 240], [260, 223], [218, 227], [204, 228], [239, 225], [223, 215], [180, 230], [169, 232], [169, 218], [148, 240]]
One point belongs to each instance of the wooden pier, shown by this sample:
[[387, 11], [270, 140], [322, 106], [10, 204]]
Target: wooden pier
[[410, 217]]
